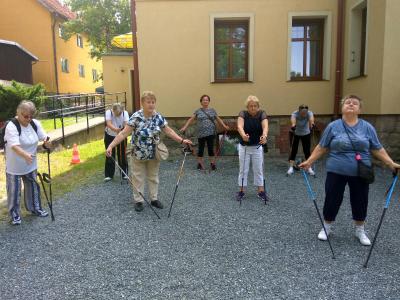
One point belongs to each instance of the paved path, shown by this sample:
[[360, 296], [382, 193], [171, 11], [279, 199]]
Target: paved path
[[100, 248]]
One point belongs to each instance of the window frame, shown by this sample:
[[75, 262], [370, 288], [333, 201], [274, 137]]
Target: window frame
[[81, 70], [327, 41], [79, 40], [244, 16], [305, 22], [95, 76], [231, 24], [64, 65]]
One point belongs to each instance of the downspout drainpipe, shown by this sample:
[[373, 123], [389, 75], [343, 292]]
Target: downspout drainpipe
[[339, 58], [53, 16], [136, 83]]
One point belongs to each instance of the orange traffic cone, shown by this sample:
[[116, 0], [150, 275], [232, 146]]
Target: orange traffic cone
[[75, 155]]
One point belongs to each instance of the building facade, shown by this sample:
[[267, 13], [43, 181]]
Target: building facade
[[62, 66]]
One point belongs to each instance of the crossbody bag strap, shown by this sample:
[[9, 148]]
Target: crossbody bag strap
[[211, 119], [347, 132]]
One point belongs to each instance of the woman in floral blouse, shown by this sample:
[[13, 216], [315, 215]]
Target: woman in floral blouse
[[145, 126]]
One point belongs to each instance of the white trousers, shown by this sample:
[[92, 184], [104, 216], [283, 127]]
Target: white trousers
[[256, 156]]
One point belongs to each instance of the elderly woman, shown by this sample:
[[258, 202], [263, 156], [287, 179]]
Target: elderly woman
[[207, 129], [116, 119], [302, 121], [22, 135], [253, 129], [348, 140], [145, 126]]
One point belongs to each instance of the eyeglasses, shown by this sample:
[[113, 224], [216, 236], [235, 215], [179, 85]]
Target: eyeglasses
[[26, 117]]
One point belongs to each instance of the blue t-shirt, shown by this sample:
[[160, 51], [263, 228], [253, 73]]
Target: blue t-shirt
[[342, 156], [302, 123]]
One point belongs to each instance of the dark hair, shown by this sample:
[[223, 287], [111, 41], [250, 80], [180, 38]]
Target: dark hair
[[201, 98], [303, 106]]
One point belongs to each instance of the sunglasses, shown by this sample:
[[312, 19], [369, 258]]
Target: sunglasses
[[27, 117], [303, 107]]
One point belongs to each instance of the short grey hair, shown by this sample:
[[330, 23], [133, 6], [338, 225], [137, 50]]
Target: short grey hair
[[117, 108], [27, 106], [252, 98], [350, 96]]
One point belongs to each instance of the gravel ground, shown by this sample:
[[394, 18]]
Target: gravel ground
[[210, 248]]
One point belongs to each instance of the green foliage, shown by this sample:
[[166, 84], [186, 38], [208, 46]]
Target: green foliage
[[100, 20], [11, 96]]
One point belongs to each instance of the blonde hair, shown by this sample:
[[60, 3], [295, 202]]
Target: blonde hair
[[148, 95], [350, 96], [252, 98], [27, 106]]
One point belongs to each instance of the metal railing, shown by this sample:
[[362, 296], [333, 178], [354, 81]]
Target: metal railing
[[78, 106]]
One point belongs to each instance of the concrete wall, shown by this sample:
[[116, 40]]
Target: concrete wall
[[117, 76]]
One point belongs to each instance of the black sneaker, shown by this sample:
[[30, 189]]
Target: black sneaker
[[139, 206], [200, 167], [213, 167], [157, 203]]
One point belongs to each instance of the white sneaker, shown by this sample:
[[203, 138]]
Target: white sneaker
[[362, 237], [322, 236], [290, 171], [107, 179], [311, 171], [125, 177]]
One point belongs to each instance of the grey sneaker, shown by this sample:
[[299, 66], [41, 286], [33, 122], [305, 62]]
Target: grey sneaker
[[40, 213]]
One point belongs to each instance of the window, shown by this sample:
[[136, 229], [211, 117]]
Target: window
[[60, 31], [64, 65], [79, 41], [81, 69], [307, 49], [95, 75], [231, 41], [358, 40]]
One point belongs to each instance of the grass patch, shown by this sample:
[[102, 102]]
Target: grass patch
[[48, 124], [66, 177]]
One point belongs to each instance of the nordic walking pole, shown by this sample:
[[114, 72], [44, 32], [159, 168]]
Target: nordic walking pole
[[244, 164], [141, 195], [44, 178], [49, 180], [388, 198], [186, 150], [313, 198]]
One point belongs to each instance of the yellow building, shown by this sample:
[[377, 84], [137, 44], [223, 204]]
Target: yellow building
[[284, 52], [63, 66]]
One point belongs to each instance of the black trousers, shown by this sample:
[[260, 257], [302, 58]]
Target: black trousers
[[305, 142], [210, 145], [334, 190], [109, 169]]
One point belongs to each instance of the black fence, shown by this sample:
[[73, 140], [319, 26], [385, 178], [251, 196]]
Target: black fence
[[70, 109]]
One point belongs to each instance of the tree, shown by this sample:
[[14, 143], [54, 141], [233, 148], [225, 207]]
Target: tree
[[11, 96], [100, 20]]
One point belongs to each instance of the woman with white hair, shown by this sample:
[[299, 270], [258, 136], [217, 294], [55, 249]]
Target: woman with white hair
[[22, 135], [116, 119], [253, 129], [145, 126]]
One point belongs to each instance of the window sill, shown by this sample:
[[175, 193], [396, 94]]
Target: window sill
[[357, 77], [242, 81], [306, 80]]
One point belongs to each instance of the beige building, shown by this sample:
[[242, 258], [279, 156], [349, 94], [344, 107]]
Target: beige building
[[284, 52]]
